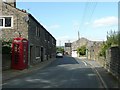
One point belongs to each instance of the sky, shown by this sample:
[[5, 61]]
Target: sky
[[65, 19]]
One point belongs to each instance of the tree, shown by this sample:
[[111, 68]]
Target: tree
[[104, 47], [81, 50], [119, 38], [6, 46], [60, 49], [112, 40]]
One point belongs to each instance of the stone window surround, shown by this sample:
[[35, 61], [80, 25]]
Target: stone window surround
[[3, 17]]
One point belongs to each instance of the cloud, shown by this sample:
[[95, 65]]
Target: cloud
[[107, 21]]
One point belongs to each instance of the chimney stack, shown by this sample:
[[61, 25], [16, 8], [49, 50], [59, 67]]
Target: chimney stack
[[11, 2]]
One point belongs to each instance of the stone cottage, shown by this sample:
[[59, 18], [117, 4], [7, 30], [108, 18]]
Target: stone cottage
[[92, 47], [15, 22]]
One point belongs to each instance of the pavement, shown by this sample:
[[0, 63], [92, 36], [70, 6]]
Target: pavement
[[103, 74], [9, 74]]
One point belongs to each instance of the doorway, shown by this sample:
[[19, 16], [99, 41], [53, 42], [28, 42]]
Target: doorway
[[42, 54], [31, 57]]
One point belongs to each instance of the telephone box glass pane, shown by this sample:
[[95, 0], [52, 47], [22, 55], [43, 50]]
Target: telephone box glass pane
[[24, 51], [16, 48]]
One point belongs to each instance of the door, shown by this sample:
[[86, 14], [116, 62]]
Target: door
[[42, 54], [31, 57]]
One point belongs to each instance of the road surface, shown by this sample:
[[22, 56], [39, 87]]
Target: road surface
[[66, 72]]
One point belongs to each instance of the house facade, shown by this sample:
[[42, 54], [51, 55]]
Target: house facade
[[15, 22]]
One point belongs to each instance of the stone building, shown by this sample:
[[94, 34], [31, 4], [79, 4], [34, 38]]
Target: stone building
[[81, 42], [76, 44], [92, 47], [15, 22], [68, 49]]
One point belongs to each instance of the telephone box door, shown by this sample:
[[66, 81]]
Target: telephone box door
[[19, 53]]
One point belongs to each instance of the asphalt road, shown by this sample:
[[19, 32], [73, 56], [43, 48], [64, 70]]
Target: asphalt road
[[66, 72]]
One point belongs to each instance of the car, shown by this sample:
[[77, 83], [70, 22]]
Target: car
[[59, 55]]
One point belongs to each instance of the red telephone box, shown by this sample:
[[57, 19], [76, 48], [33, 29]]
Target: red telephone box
[[19, 53]]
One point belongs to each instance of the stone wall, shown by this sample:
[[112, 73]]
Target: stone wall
[[101, 60], [33, 40], [93, 51], [44, 40], [19, 23], [113, 61], [0, 49]]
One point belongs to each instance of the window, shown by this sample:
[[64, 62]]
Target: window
[[1, 22], [37, 52], [6, 22], [52, 41], [37, 31]]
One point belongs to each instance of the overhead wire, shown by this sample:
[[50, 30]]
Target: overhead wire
[[94, 7], [88, 13], [83, 16]]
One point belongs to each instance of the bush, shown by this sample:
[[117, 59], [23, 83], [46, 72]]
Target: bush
[[81, 50], [6, 50], [112, 39], [6, 47], [104, 47]]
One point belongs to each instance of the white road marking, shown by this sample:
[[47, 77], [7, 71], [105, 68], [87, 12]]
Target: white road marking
[[100, 77], [84, 63]]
